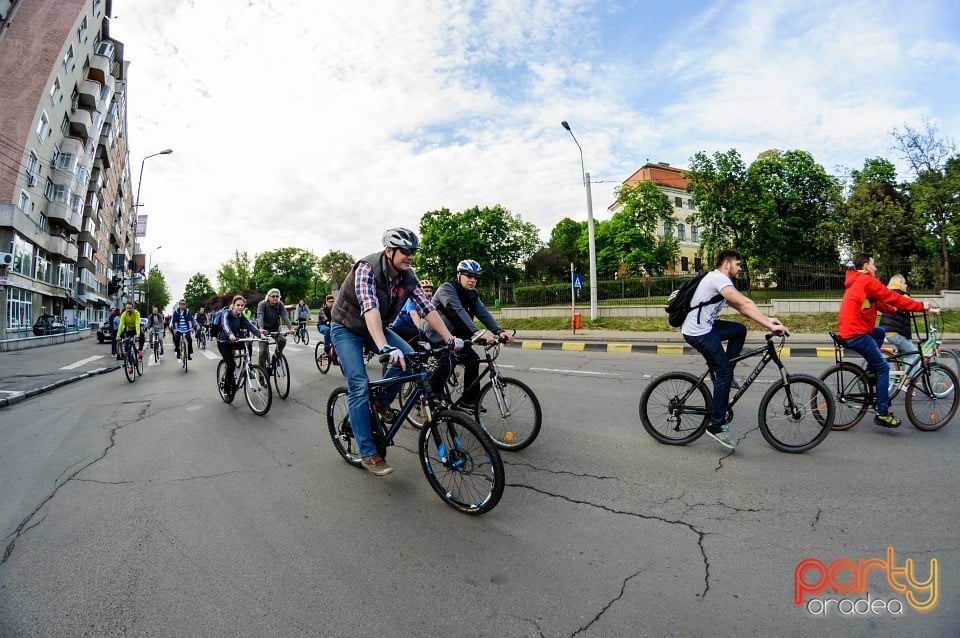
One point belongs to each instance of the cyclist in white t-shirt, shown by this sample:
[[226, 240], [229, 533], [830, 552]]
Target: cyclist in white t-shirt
[[702, 330]]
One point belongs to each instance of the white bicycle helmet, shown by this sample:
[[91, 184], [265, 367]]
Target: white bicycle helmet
[[470, 267], [401, 238]]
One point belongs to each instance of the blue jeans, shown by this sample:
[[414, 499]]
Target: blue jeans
[[904, 346], [868, 347], [349, 347], [710, 346], [324, 329]]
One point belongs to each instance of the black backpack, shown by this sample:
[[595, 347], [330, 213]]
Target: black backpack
[[679, 302], [215, 322]]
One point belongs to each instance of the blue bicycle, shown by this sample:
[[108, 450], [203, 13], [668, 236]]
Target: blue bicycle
[[460, 461]]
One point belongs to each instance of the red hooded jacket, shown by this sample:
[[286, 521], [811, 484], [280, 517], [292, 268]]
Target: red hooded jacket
[[865, 295]]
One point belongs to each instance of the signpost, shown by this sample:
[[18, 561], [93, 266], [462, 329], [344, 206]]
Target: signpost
[[576, 283]]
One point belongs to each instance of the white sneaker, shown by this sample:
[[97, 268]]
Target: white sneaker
[[723, 437]]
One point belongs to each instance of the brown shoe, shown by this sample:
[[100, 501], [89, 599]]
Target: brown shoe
[[376, 464]]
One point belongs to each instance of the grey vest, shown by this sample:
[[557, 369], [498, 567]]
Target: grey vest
[[346, 309]]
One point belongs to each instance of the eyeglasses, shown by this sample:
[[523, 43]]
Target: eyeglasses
[[408, 252], [183, 304], [274, 296]]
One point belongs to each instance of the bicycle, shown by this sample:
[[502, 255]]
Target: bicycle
[[325, 360], [931, 388], [460, 461], [507, 409], [795, 414], [279, 368], [184, 349], [201, 337], [301, 335], [156, 345], [247, 375], [132, 361]]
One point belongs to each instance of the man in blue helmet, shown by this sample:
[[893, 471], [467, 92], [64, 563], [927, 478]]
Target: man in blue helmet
[[459, 304], [370, 299]]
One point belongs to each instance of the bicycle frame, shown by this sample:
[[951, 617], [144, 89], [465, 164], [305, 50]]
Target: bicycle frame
[[419, 377], [490, 370]]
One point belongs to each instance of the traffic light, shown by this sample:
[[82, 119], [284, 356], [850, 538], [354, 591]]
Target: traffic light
[[114, 286]]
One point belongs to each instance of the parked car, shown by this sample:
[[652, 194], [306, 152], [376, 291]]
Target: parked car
[[48, 325], [104, 333]]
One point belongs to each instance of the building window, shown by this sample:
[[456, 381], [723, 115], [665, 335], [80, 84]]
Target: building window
[[65, 125], [19, 308], [690, 204], [32, 163], [22, 256], [667, 228], [56, 91], [44, 269], [48, 189], [678, 202], [698, 264], [68, 57], [24, 203], [43, 126], [694, 233], [82, 29], [65, 162], [42, 224], [684, 264], [681, 233], [65, 276]]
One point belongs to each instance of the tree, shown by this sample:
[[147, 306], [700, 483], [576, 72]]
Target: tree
[[197, 290], [335, 266], [496, 238], [153, 292], [291, 270], [235, 274], [632, 232], [722, 192], [877, 217], [565, 238]]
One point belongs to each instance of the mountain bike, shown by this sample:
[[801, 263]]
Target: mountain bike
[[301, 335], [460, 461], [156, 344], [184, 348], [202, 337], [930, 387], [795, 414], [132, 361], [254, 380], [279, 369], [507, 409], [324, 360]]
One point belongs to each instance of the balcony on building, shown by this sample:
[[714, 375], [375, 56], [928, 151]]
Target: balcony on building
[[89, 95], [100, 68], [62, 217]]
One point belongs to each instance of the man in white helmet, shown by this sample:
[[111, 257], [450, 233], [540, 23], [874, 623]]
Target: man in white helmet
[[370, 299]]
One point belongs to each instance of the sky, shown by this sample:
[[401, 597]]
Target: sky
[[318, 124]]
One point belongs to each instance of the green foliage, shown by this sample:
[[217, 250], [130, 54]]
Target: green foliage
[[291, 270], [499, 240], [334, 267], [153, 291], [235, 274], [198, 288]]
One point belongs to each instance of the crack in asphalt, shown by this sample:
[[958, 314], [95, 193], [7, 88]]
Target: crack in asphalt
[[29, 523], [623, 587]]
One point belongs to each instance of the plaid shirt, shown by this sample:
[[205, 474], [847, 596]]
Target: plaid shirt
[[367, 292]]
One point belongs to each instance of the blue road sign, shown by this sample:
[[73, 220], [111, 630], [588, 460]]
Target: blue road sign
[[577, 280]]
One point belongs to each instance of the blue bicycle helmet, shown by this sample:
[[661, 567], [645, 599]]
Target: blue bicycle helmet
[[470, 267], [401, 238]]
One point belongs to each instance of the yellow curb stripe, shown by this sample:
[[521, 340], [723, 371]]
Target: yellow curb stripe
[[573, 345], [619, 347], [532, 345], [669, 349], [784, 352], [825, 352]]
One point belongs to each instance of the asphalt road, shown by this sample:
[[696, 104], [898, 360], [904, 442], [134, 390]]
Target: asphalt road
[[154, 509]]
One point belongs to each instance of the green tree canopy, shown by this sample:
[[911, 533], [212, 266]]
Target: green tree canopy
[[334, 267], [496, 238], [197, 290], [153, 292], [291, 270], [235, 274], [630, 234]]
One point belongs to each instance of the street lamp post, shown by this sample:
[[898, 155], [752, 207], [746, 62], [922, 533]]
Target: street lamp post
[[136, 205], [591, 238]]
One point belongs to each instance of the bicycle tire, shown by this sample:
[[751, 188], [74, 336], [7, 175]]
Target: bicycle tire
[[184, 357], [949, 359], [461, 463], [794, 418], [662, 415], [850, 388], [338, 424], [221, 378], [514, 423], [281, 375], [322, 360], [202, 340], [932, 398], [129, 368], [256, 390], [156, 351], [138, 362], [418, 413], [305, 338]]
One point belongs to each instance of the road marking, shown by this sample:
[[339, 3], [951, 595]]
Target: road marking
[[586, 372], [213, 356], [13, 392], [289, 348], [82, 362]]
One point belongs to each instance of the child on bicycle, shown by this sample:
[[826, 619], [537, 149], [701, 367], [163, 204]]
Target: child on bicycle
[[897, 325], [233, 325]]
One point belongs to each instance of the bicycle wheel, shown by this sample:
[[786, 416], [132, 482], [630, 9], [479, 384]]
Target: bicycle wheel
[[184, 357], [202, 340], [338, 423], [138, 362], [305, 337], [932, 398], [281, 375], [256, 390], [796, 416], [461, 463], [848, 384], [896, 376], [322, 360], [156, 351], [129, 367], [675, 408], [509, 412], [221, 380], [949, 359]]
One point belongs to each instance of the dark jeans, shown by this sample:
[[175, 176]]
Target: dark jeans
[[229, 351], [710, 346], [868, 347], [471, 370], [178, 336]]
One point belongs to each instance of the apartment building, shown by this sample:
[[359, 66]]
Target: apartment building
[[67, 223], [672, 182]]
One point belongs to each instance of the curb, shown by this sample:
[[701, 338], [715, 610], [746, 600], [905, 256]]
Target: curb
[[17, 398], [664, 349]]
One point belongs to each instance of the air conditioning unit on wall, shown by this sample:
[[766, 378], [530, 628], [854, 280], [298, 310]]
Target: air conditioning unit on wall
[[6, 259]]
